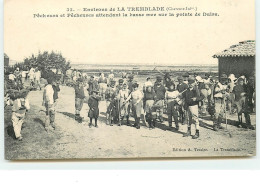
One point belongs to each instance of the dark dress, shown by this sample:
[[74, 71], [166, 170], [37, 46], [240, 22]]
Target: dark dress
[[93, 107]]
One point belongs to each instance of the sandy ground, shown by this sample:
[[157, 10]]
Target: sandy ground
[[72, 140]]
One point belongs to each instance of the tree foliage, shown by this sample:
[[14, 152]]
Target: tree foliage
[[45, 61]]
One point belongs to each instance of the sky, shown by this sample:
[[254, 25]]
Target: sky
[[158, 40]]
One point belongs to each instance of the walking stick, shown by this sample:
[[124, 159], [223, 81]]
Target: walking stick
[[226, 117], [225, 111]]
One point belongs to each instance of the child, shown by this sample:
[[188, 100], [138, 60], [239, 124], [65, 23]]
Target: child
[[93, 107], [20, 107], [79, 99], [172, 99]]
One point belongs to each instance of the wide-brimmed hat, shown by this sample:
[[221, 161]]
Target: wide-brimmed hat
[[232, 77], [180, 78], [120, 80], [199, 79]]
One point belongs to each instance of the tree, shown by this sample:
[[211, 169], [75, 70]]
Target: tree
[[46, 61]]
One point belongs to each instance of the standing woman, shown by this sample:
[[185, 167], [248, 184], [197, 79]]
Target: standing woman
[[137, 104]]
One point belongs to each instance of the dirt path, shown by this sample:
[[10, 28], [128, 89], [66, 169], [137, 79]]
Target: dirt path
[[73, 140]]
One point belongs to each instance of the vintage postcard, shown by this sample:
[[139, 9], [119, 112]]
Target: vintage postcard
[[96, 79]]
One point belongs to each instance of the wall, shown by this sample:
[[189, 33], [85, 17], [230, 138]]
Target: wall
[[237, 65]]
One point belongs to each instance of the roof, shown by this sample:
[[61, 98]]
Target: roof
[[5, 56], [242, 49]]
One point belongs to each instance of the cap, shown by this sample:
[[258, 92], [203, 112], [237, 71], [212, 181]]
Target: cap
[[130, 76], [191, 80], [207, 74], [186, 74], [80, 80], [159, 78], [120, 80], [180, 78], [135, 85], [223, 76]]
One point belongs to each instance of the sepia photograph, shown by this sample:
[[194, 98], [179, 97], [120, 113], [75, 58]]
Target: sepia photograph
[[129, 79]]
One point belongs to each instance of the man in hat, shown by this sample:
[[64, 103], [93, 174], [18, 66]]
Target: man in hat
[[111, 76], [251, 93], [159, 90], [111, 102], [185, 77], [148, 83], [181, 87], [192, 97], [241, 101], [167, 80], [119, 86], [231, 96], [130, 82], [79, 99], [92, 85], [137, 103], [220, 95]]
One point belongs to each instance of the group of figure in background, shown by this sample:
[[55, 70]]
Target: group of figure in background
[[184, 102]]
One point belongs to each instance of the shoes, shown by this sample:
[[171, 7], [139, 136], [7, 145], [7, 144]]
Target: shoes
[[187, 134], [20, 138], [137, 127], [90, 125], [197, 135], [177, 127], [96, 126], [215, 127]]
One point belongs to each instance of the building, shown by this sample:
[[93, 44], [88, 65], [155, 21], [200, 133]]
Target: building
[[238, 59], [6, 60]]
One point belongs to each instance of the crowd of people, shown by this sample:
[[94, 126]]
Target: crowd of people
[[184, 102]]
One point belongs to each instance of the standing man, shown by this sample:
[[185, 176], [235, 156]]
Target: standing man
[[92, 85], [192, 98], [37, 78], [181, 87], [159, 90], [241, 101], [102, 81], [32, 77], [48, 102], [137, 103], [79, 99], [220, 102], [130, 82]]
